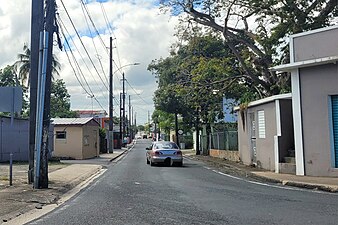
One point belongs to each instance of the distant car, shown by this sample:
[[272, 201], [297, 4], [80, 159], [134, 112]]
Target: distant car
[[144, 136], [164, 152], [138, 137]]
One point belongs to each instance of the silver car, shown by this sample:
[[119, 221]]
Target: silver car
[[164, 152]]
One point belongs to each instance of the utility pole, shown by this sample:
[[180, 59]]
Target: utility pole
[[124, 108], [132, 122], [135, 121], [120, 143], [149, 122], [36, 27], [111, 122], [50, 29], [129, 121]]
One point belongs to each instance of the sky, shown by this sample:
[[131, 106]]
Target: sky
[[141, 34]]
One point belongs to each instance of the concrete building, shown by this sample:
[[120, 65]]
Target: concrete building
[[265, 133], [76, 138], [314, 77]]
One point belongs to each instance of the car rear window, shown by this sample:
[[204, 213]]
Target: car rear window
[[166, 146]]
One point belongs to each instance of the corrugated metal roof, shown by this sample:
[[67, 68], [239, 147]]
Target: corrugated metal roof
[[71, 121]]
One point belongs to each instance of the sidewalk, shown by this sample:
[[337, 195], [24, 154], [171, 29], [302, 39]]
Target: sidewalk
[[329, 184], [63, 176]]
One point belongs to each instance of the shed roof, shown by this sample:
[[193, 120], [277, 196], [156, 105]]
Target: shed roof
[[71, 121], [267, 100]]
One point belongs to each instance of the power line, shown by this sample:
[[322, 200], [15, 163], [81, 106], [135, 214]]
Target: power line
[[70, 37], [97, 54], [78, 67], [77, 33]]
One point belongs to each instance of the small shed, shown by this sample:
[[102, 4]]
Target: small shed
[[76, 138], [265, 132]]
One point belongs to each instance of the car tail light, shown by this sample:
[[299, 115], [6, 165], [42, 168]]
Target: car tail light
[[178, 153], [156, 153]]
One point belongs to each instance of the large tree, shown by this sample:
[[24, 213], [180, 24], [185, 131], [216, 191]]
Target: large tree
[[60, 101], [255, 31]]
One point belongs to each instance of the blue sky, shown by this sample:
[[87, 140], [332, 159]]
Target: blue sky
[[142, 34]]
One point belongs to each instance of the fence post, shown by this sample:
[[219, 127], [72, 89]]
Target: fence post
[[218, 141], [11, 169]]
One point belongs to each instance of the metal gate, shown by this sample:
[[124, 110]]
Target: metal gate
[[334, 100]]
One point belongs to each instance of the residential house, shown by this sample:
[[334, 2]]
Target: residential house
[[76, 138]]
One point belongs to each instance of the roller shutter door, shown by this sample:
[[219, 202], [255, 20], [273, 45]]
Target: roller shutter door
[[334, 99]]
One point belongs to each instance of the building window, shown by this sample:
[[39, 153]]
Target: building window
[[261, 124], [61, 134]]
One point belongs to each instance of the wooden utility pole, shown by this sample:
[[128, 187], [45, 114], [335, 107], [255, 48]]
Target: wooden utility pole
[[36, 27], [111, 122]]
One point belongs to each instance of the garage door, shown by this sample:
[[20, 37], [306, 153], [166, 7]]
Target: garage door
[[334, 99]]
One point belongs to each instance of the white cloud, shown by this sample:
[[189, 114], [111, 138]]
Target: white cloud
[[142, 34]]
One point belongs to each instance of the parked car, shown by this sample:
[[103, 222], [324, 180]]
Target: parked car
[[164, 152]]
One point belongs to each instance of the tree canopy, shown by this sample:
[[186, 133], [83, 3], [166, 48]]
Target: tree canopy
[[60, 101], [255, 32]]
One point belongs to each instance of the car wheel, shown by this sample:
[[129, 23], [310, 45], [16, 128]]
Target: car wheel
[[151, 163], [148, 161]]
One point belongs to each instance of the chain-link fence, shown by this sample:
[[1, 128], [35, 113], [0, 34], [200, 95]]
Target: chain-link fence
[[226, 140]]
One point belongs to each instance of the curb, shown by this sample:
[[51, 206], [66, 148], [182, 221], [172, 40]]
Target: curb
[[246, 173]]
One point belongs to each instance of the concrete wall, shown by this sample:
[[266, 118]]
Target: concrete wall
[[317, 83], [90, 141], [316, 45], [224, 154], [14, 139], [264, 146], [72, 145], [286, 141]]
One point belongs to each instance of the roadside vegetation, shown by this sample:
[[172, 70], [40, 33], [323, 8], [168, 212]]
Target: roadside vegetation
[[225, 49]]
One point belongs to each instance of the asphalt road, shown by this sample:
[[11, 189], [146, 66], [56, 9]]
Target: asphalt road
[[132, 192]]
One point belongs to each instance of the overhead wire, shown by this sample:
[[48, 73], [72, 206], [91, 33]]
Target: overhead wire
[[79, 68], [97, 54], [85, 63], [84, 47]]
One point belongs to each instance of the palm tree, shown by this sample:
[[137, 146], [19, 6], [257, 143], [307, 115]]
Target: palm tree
[[22, 65]]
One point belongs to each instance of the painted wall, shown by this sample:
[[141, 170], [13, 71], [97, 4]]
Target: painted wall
[[71, 147], [264, 146], [90, 141], [317, 83], [316, 45], [14, 139]]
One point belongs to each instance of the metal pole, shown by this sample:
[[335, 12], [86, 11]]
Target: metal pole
[[11, 169], [124, 109], [129, 123], [40, 105], [120, 120], [111, 123]]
